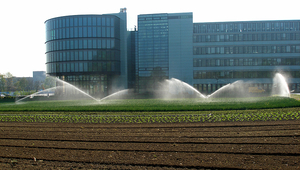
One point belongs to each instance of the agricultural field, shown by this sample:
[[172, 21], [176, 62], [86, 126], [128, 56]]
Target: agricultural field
[[252, 133], [223, 145], [151, 105]]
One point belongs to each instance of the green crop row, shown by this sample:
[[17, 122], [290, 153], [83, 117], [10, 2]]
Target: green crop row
[[189, 118], [150, 105]]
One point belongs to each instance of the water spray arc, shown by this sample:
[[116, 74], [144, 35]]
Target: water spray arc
[[116, 94], [68, 85], [174, 87], [236, 89], [64, 85], [47, 91], [280, 86]]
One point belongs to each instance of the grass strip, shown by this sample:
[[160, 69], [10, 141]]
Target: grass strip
[[151, 105]]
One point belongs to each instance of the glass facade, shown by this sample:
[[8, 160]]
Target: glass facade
[[96, 52], [213, 62], [244, 26], [244, 74], [246, 37], [164, 43], [228, 51], [84, 50], [251, 49], [132, 55], [153, 50]]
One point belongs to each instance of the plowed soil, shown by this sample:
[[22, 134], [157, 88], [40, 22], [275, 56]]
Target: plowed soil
[[228, 145]]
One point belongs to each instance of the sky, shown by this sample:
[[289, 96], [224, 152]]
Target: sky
[[22, 28]]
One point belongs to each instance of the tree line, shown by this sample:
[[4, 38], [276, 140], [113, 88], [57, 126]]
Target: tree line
[[10, 83]]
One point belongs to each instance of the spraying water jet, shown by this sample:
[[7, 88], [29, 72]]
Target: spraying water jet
[[173, 88]]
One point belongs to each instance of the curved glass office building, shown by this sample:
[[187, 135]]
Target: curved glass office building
[[86, 50]]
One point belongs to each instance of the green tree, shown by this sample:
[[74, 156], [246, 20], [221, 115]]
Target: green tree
[[22, 84], [2, 83], [49, 82], [36, 85], [9, 82]]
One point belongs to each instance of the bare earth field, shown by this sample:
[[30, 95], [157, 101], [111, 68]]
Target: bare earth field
[[226, 145]]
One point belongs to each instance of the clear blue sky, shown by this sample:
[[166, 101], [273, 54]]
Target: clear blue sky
[[22, 48]]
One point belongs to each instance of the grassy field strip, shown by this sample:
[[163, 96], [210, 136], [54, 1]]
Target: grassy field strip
[[153, 110], [151, 105]]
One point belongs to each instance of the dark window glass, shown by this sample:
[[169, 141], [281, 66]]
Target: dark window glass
[[99, 44], [103, 32], [94, 22], [103, 21], [98, 31], [76, 55], [84, 21], [112, 22], [67, 32], [71, 55], [112, 43], [107, 21], [71, 32], [89, 21], [67, 22], [85, 31], [80, 44], [71, 22], [76, 32], [85, 67], [94, 32], [79, 21], [85, 55], [80, 32], [80, 67], [99, 21], [103, 43], [90, 55], [108, 43], [90, 43], [85, 44], [75, 44], [75, 22], [63, 22], [90, 32], [108, 32], [80, 55]]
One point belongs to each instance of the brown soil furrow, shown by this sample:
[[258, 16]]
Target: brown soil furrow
[[161, 147], [127, 139], [240, 145], [6, 163], [257, 124], [149, 126], [142, 130], [166, 134], [153, 158], [250, 140]]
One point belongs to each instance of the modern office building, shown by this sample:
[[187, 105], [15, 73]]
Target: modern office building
[[252, 51], [132, 54], [88, 51], [38, 76], [164, 49], [97, 54], [211, 55]]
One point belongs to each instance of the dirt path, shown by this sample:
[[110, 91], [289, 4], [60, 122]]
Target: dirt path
[[243, 145]]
